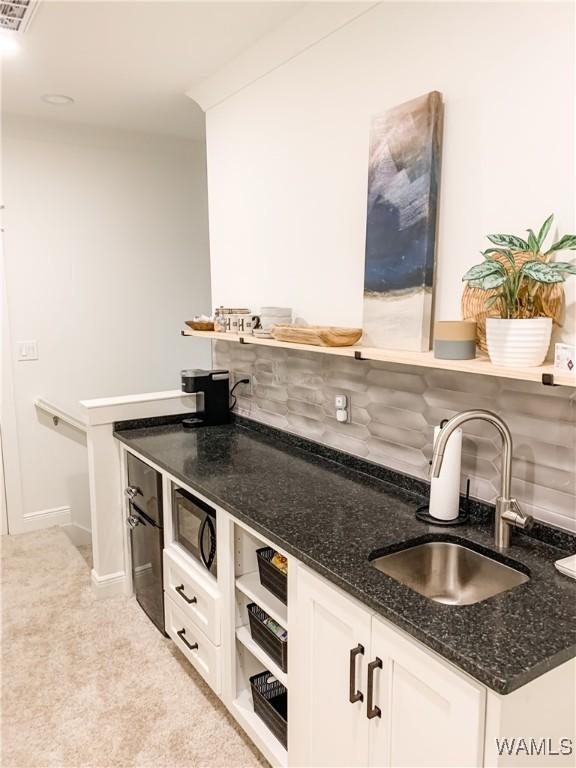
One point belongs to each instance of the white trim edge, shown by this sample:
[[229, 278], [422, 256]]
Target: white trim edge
[[110, 409], [60, 414], [306, 28], [44, 518], [108, 586]]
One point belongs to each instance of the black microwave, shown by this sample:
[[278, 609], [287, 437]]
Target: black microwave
[[195, 527]]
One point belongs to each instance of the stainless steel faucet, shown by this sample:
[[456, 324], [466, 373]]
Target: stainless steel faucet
[[508, 513]]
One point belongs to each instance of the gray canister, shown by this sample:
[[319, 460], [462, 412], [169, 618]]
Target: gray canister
[[455, 339]]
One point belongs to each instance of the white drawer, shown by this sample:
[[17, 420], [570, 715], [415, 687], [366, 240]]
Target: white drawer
[[194, 591], [200, 652]]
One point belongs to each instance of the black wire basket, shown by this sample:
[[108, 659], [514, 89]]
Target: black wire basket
[[270, 700], [274, 646], [271, 577]]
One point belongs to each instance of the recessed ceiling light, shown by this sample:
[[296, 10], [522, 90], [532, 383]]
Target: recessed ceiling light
[[9, 45], [57, 99]]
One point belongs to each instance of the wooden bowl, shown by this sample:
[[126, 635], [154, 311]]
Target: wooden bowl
[[317, 335], [200, 325]]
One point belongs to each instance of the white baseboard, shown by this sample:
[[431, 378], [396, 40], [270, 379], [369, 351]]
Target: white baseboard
[[45, 518], [78, 534], [110, 585]]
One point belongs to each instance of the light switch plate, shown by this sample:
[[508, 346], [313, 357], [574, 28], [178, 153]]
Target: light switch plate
[[27, 350]]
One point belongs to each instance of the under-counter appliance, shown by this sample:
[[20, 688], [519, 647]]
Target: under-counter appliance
[[145, 521], [194, 524]]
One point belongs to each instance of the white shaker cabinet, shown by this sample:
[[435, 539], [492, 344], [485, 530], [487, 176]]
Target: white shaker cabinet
[[328, 637], [415, 710], [430, 714]]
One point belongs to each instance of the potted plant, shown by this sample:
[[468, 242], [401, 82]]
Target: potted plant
[[515, 272]]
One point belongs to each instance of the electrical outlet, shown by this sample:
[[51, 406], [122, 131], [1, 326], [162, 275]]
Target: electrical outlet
[[342, 409], [245, 389]]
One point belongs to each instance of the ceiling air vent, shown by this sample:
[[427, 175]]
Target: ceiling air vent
[[16, 14]]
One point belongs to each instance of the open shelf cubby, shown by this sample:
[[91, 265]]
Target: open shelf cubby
[[250, 586], [250, 657], [247, 665], [243, 636], [258, 729]]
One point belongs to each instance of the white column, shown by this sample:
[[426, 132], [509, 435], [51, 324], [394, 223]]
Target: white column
[[109, 574]]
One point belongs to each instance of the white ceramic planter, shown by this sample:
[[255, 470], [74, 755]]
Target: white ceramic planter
[[518, 343]]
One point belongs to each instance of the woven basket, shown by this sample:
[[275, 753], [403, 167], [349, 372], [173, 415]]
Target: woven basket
[[474, 301]]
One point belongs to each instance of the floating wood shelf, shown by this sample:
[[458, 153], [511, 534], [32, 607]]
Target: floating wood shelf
[[544, 374]]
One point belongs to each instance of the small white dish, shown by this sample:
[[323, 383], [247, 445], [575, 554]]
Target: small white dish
[[280, 311], [567, 566]]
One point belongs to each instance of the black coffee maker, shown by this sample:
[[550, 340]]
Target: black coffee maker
[[215, 389]]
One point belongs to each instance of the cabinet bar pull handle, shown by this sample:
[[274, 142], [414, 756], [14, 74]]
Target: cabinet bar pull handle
[[355, 695], [371, 710], [181, 634], [189, 600]]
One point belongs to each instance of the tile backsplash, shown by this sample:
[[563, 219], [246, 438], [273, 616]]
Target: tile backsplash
[[394, 410]]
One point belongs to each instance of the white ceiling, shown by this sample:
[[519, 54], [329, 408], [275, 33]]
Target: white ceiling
[[128, 64]]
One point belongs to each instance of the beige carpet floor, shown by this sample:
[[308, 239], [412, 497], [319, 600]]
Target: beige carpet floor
[[91, 683]]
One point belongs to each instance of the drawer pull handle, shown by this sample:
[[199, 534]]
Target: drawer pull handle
[[355, 695], [193, 646], [189, 600], [371, 710]]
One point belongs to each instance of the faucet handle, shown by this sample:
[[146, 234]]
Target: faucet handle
[[516, 517]]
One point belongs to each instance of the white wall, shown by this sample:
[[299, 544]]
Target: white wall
[[288, 154], [106, 249]]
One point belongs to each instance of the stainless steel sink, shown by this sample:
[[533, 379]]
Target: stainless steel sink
[[449, 573]]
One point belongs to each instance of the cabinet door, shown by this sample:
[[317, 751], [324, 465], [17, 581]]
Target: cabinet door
[[326, 630], [431, 714]]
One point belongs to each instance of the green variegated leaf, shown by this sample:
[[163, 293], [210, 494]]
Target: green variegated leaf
[[541, 272], [492, 281], [532, 241], [564, 266], [480, 271], [544, 229], [510, 240], [568, 242]]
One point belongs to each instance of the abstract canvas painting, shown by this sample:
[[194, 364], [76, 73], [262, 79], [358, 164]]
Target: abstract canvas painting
[[403, 184]]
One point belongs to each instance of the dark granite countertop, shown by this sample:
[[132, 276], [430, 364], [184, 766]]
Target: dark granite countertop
[[331, 516]]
